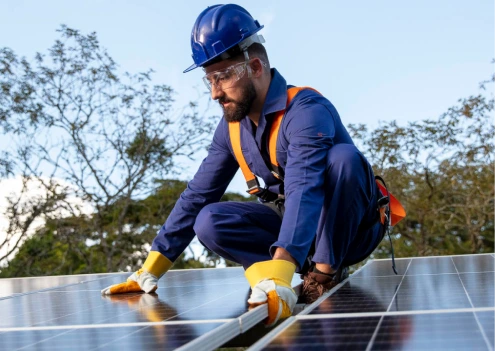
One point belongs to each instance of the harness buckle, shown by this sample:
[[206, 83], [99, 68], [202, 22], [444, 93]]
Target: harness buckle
[[276, 175], [256, 190]]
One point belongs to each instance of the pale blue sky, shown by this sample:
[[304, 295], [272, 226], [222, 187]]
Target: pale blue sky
[[375, 60]]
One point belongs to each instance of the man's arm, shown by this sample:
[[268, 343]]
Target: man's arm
[[207, 186], [283, 254], [307, 133]]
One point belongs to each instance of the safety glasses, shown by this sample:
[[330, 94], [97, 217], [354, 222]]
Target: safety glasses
[[226, 78]]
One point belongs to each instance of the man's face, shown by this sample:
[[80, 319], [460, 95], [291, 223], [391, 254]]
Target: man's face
[[235, 101]]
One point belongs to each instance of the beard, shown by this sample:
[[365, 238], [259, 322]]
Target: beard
[[240, 108]]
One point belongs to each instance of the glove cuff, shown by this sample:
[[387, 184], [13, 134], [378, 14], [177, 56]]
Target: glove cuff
[[157, 264], [281, 271]]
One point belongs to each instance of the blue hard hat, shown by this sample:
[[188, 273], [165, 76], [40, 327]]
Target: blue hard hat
[[220, 32]]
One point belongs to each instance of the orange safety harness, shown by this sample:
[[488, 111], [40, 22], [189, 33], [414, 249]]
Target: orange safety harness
[[390, 209], [234, 130]]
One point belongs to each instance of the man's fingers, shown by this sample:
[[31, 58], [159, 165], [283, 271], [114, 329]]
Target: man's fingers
[[127, 287], [257, 297]]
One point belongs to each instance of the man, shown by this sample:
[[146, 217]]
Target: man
[[317, 217]]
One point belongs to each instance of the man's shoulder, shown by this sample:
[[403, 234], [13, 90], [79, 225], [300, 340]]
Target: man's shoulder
[[306, 93], [310, 98]]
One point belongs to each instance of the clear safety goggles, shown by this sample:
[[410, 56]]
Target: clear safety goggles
[[226, 78]]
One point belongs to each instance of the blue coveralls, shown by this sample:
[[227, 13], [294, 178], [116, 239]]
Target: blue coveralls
[[330, 190]]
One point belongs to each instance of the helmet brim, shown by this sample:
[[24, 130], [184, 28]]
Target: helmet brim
[[192, 67]]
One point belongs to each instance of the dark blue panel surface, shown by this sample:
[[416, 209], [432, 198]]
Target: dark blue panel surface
[[161, 337], [430, 292], [13, 286], [423, 287], [444, 331], [474, 263], [439, 331], [431, 265], [383, 268], [480, 287], [368, 294], [487, 320], [326, 334], [182, 295]]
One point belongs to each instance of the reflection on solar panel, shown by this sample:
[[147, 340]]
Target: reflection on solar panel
[[190, 306], [434, 303]]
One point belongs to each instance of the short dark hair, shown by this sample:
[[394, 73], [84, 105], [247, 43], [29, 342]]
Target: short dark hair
[[255, 50], [259, 50]]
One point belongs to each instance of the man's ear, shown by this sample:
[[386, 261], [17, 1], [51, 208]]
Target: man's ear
[[257, 68]]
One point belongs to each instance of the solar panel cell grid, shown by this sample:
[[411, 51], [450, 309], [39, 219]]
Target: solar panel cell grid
[[445, 331], [436, 303], [430, 292], [361, 295], [431, 265], [383, 268], [487, 320], [326, 334], [480, 287], [474, 263]]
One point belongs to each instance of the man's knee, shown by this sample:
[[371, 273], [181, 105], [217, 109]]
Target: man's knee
[[205, 224], [345, 160]]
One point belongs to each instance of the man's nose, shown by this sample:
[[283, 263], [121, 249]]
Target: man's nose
[[216, 92]]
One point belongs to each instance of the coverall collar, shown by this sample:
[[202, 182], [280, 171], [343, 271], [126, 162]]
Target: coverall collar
[[276, 100]]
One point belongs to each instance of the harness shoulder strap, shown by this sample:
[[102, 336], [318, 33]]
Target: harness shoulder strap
[[275, 127], [251, 180]]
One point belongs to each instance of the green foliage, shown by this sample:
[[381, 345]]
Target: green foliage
[[78, 129], [69, 245], [442, 171]]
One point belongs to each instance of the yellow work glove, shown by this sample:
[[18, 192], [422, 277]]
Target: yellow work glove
[[271, 283], [145, 279]]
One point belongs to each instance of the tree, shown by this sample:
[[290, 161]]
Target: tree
[[80, 130], [442, 170], [62, 245]]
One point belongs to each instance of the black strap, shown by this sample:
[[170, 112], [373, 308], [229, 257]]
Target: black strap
[[385, 201]]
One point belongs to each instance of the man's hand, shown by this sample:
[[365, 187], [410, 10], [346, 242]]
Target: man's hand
[[270, 283], [140, 281], [145, 279]]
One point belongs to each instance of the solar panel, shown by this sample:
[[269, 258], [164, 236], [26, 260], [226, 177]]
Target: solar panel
[[434, 303], [205, 307]]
